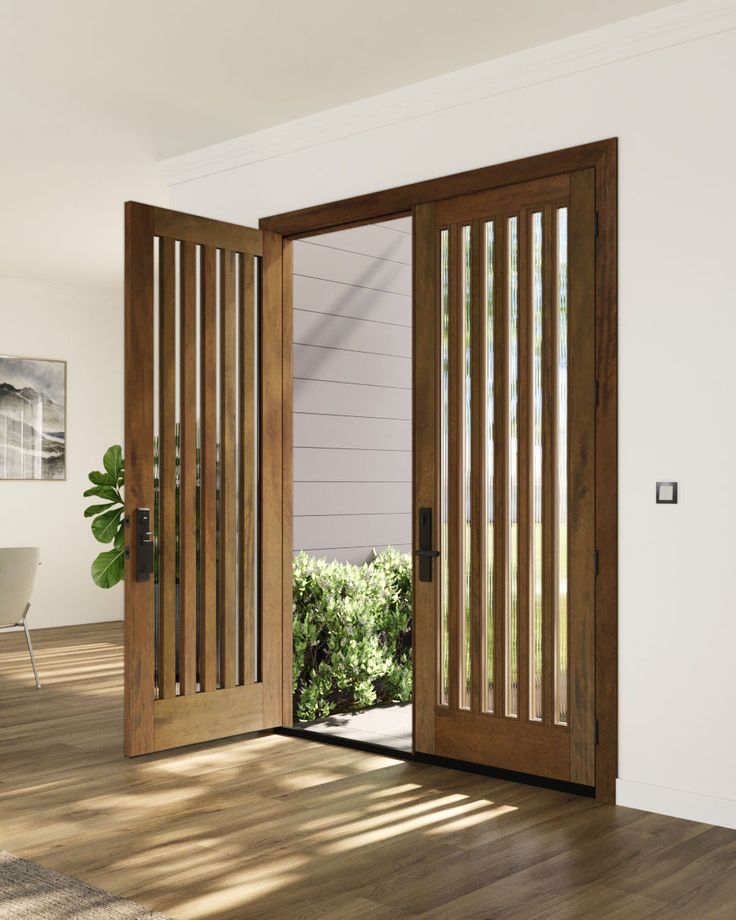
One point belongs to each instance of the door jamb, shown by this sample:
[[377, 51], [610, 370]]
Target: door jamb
[[398, 202]]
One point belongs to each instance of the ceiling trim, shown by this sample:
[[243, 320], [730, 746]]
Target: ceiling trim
[[673, 25]]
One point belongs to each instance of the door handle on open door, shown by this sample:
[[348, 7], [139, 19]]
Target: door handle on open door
[[425, 553], [144, 544]]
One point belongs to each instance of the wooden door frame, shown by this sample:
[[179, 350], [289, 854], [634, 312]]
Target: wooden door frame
[[388, 204]]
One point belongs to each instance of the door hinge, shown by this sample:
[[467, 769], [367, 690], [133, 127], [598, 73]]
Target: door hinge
[[596, 561], [597, 732], [597, 225]]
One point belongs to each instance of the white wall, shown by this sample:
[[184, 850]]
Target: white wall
[[352, 391], [665, 87], [84, 328]]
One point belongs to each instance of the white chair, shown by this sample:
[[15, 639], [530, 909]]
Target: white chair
[[18, 567]]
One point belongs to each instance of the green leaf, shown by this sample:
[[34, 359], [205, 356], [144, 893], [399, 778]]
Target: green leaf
[[106, 492], [98, 509], [101, 479], [108, 568], [113, 462], [105, 526]]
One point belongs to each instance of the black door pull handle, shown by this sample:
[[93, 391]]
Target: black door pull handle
[[425, 553], [144, 544]]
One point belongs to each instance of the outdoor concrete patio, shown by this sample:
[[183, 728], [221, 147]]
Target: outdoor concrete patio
[[389, 726]]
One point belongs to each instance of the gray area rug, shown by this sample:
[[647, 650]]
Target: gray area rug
[[30, 892]]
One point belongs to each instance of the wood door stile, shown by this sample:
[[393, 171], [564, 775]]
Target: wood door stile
[[188, 469]]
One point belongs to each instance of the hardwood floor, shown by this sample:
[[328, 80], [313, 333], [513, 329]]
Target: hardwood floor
[[276, 827]]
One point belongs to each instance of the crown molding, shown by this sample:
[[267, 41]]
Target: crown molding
[[651, 32]]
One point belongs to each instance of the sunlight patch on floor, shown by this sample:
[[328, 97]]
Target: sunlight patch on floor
[[395, 790], [409, 821], [152, 800], [471, 820], [237, 888]]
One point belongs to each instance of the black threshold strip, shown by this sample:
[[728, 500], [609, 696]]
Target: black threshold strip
[[528, 779]]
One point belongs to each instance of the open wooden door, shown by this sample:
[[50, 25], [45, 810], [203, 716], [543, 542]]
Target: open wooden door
[[505, 404], [206, 574]]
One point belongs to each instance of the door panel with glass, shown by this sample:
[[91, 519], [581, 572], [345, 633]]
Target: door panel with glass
[[205, 639], [504, 461]]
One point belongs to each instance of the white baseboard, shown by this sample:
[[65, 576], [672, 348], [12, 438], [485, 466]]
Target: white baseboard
[[693, 806]]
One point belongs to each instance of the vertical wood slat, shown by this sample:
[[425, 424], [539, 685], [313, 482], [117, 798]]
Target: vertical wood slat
[[500, 460], [581, 476], [550, 543], [167, 469], [525, 459], [208, 468], [455, 471], [478, 464], [287, 502], [139, 364], [188, 469], [467, 521], [606, 465], [271, 479], [441, 420], [228, 472], [247, 501], [426, 345]]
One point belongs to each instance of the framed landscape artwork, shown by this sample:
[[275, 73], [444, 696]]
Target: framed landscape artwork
[[32, 418]]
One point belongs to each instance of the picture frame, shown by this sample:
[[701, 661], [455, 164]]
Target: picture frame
[[33, 436]]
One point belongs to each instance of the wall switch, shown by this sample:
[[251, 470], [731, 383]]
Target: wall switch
[[666, 493]]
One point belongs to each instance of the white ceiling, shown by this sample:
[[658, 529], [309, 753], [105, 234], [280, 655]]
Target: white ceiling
[[94, 92]]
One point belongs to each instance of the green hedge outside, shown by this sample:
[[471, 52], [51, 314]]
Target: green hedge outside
[[352, 634]]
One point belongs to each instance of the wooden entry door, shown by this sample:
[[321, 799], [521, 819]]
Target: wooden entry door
[[505, 398], [205, 634]]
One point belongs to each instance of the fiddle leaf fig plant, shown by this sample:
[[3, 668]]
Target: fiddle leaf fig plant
[[108, 517]]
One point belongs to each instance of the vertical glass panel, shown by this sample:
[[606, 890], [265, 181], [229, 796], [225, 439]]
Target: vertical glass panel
[[561, 626], [240, 550], [219, 254], [489, 245], [156, 429], [177, 452], [512, 650], [467, 498], [256, 454], [535, 652], [198, 451], [444, 636]]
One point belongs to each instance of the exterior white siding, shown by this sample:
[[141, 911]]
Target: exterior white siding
[[352, 391]]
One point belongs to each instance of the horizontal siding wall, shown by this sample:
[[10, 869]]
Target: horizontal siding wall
[[352, 391]]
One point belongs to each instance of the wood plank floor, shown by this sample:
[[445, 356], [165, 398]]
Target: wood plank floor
[[276, 827]]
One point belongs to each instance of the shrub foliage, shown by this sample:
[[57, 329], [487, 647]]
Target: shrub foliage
[[352, 634]]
